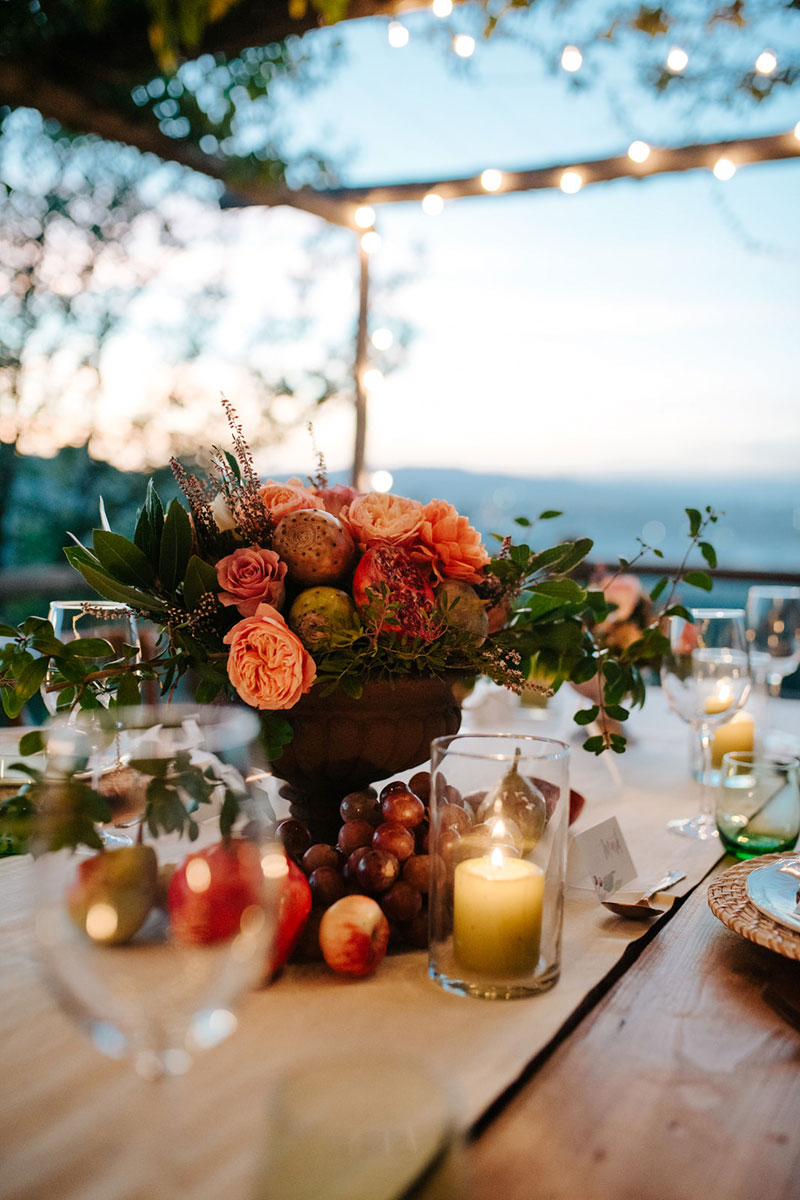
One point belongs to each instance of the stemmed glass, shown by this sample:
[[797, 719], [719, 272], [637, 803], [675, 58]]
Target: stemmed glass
[[72, 619], [773, 635], [149, 945], [706, 678]]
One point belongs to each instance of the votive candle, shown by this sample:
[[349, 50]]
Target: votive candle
[[497, 914]]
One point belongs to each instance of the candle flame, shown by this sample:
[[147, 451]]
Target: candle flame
[[724, 693], [496, 857], [499, 829]]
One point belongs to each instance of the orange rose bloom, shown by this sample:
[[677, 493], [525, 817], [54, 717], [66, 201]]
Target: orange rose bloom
[[381, 517], [450, 544], [282, 498], [267, 664]]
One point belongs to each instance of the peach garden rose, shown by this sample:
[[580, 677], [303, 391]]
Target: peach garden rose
[[381, 517], [449, 544], [282, 498], [249, 577], [268, 665]]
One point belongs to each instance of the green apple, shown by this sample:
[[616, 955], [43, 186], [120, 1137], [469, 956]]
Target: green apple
[[320, 611], [113, 893]]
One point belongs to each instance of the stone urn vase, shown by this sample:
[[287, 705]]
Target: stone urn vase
[[341, 744]]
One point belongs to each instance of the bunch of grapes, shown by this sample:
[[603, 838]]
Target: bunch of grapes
[[381, 851]]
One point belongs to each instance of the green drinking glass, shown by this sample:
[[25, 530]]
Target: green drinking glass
[[758, 803]]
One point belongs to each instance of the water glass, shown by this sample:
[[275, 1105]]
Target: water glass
[[498, 839], [758, 803]]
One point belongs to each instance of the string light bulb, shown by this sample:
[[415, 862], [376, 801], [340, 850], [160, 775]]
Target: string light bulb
[[364, 216], [398, 35], [442, 8], [724, 169], [571, 182], [491, 180], [372, 379], [370, 241], [677, 60], [432, 204], [382, 339], [464, 45], [571, 59], [638, 152], [766, 62]]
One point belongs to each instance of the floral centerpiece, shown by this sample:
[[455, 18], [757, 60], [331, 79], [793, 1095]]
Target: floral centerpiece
[[266, 591]]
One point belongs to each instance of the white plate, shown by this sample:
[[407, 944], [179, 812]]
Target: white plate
[[774, 892]]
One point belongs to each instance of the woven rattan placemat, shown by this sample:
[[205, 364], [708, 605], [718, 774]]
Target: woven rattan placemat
[[729, 902]]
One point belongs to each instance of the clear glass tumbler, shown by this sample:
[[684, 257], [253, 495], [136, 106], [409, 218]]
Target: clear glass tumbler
[[758, 803], [498, 841]]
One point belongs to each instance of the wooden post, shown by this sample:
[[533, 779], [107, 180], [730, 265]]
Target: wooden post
[[359, 452]]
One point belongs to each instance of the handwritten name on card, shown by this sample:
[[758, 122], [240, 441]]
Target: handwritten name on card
[[605, 857]]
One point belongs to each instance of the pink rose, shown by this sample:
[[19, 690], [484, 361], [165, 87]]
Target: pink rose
[[336, 497], [449, 543], [250, 577], [282, 498], [381, 517], [267, 664]]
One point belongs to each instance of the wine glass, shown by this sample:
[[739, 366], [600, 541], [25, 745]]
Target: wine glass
[[72, 619], [773, 635], [149, 945], [706, 679]]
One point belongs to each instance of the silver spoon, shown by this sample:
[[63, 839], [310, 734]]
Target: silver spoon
[[642, 906]]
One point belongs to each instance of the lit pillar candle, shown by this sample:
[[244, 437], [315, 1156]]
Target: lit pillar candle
[[736, 734], [497, 914], [720, 702]]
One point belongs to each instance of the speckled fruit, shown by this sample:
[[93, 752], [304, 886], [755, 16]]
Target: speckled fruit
[[319, 612], [314, 545]]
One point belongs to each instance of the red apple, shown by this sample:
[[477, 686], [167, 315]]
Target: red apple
[[211, 889], [353, 935], [293, 909]]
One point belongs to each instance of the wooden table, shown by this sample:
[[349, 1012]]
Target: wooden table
[[683, 1083], [672, 1079]]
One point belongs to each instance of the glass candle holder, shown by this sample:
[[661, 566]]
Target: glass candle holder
[[499, 812], [758, 803]]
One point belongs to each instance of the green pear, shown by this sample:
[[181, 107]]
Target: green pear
[[113, 893], [516, 799]]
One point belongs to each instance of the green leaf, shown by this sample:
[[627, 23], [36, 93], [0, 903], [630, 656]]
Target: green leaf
[[595, 745], [28, 684], [31, 743], [523, 521], [709, 553], [584, 670], [149, 524], [565, 590], [123, 560], [678, 610], [575, 554], [695, 521], [176, 546], [585, 716], [699, 579], [549, 514], [8, 631], [618, 743], [656, 591], [617, 712], [128, 691], [105, 586], [207, 690], [200, 578], [89, 648]]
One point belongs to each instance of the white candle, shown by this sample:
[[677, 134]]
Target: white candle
[[736, 734], [497, 914]]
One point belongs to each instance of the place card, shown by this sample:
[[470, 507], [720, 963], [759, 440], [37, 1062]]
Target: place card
[[602, 856]]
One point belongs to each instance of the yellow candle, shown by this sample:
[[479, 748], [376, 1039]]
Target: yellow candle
[[497, 914], [721, 701], [736, 734]]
